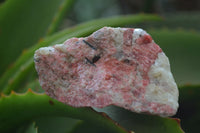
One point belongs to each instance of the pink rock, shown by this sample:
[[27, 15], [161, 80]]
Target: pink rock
[[113, 66]]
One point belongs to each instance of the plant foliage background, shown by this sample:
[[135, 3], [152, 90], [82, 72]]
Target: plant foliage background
[[26, 25]]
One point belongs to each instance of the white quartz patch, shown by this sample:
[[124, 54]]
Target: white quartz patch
[[118, 37], [43, 51], [162, 88], [137, 33], [61, 47]]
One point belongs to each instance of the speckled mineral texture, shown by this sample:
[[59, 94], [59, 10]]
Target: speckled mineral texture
[[113, 66]]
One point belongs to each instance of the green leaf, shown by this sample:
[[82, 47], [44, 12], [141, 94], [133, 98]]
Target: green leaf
[[15, 76], [94, 9], [182, 20], [87, 127], [28, 128], [17, 109], [31, 129], [63, 10], [182, 48], [189, 108], [141, 123], [33, 85], [25, 22], [53, 124]]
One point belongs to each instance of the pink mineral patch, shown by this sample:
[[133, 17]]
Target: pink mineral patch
[[110, 67]]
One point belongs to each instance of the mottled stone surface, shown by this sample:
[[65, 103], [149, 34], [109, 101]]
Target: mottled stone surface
[[113, 66]]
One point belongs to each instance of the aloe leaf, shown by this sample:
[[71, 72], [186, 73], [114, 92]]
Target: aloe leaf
[[67, 125], [189, 108], [33, 85], [28, 128], [181, 20], [23, 23], [13, 78], [63, 10], [182, 48], [16, 109], [53, 124], [31, 129], [141, 123], [86, 127]]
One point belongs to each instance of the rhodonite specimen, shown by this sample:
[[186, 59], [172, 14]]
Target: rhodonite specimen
[[113, 66]]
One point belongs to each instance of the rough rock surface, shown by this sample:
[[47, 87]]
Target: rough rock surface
[[113, 66]]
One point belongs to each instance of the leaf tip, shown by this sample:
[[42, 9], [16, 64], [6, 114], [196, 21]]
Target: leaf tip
[[24, 51], [30, 90], [2, 95], [12, 92], [177, 120], [41, 40], [10, 81]]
